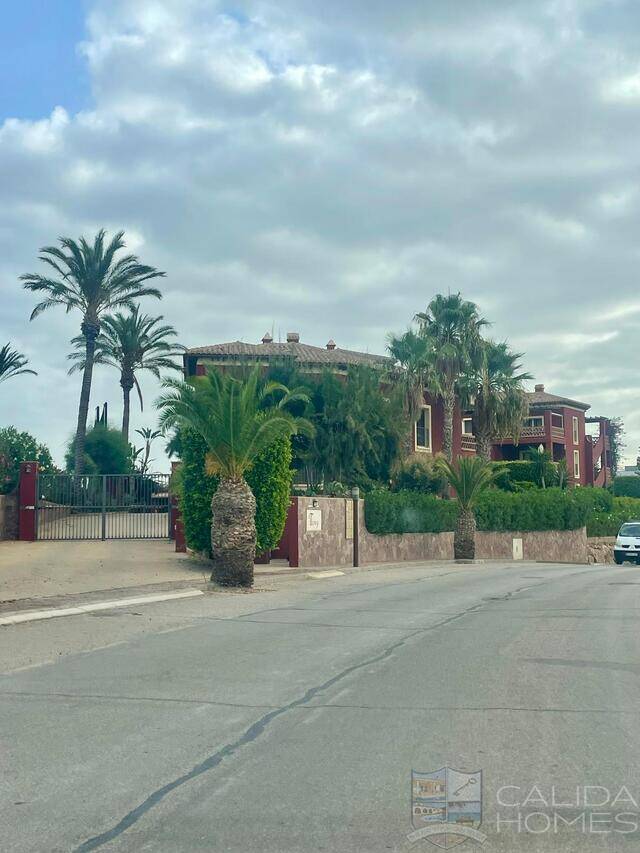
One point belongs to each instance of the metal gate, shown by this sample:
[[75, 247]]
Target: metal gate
[[103, 506]]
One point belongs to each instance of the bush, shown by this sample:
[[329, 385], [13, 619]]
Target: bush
[[508, 474], [106, 452], [408, 512], [607, 522], [537, 509], [418, 477], [17, 447], [627, 486], [269, 479]]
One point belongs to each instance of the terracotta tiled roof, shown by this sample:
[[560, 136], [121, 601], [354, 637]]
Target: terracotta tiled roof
[[544, 400], [301, 353]]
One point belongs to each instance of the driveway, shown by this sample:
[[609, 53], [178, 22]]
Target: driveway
[[42, 569], [289, 719]]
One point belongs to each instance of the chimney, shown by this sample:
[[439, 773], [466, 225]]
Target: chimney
[[331, 344], [266, 338], [293, 338], [540, 388]]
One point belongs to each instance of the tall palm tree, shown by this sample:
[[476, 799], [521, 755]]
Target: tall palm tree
[[131, 343], [226, 412], [91, 280], [470, 476], [409, 374], [495, 390], [451, 329], [13, 363]]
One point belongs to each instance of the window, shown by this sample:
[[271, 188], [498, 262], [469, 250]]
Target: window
[[423, 429], [536, 422], [576, 464], [557, 420], [467, 426], [576, 434]]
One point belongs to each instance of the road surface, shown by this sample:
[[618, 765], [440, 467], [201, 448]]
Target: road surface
[[290, 719]]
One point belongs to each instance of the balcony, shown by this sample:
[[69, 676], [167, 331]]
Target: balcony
[[533, 432], [468, 443]]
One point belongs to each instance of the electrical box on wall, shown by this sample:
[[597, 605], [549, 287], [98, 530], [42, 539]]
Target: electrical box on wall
[[518, 551]]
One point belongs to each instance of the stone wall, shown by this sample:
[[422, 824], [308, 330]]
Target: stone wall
[[329, 545], [601, 549], [8, 516]]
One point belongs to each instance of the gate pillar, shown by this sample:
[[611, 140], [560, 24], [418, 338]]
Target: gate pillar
[[28, 497]]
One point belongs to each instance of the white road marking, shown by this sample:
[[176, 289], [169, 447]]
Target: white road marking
[[316, 576], [36, 615]]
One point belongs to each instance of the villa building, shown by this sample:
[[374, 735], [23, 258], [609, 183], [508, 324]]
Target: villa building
[[558, 424]]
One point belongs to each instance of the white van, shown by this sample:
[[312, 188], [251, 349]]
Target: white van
[[627, 545]]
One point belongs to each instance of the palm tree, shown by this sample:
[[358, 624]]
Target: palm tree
[[226, 412], [149, 436], [409, 374], [451, 330], [131, 343], [495, 390], [469, 477], [13, 363], [92, 281]]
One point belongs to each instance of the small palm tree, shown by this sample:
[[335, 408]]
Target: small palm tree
[[148, 435], [91, 280], [451, 329], [131, 343], [495, 390], [13, 363], [226, 412], [470, 476]]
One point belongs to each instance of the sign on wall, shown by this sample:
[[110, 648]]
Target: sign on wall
[[314, 520], [517, 549], [348, 519]]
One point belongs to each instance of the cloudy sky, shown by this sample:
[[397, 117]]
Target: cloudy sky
[[327, 167]]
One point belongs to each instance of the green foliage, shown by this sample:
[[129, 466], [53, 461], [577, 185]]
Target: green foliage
[[419, 477], [627, 487], [17, 447], [106, 452], [548, 509], [269, 480], [408, 512], [469, 476], [509, 474], [607, 521]]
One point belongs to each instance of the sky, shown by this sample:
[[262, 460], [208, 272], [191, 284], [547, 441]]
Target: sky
[[327, 168]]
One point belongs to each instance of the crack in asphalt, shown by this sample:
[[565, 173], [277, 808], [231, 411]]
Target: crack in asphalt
[[249, 735]]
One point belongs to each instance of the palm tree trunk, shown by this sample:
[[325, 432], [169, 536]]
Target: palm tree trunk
[[464, 538], [126, 386], [483, 447], [233, 533], [90, 332], [449, 408]]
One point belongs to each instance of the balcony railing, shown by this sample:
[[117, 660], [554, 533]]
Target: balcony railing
[[468, 443], [532, 432]]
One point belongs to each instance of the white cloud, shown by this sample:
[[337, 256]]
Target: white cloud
[[329, 167]]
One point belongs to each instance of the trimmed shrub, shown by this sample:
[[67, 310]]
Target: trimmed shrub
[[408, 512], [270, 481], [17, 447], [511, 475], [536, 509], [628, 487]]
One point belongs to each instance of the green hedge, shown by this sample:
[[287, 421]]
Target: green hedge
[[408, 512], [270, 481], [539, 509], [607, 522], [512, 476], [628, 487]]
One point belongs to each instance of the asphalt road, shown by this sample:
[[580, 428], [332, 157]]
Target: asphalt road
[[290, 719]]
